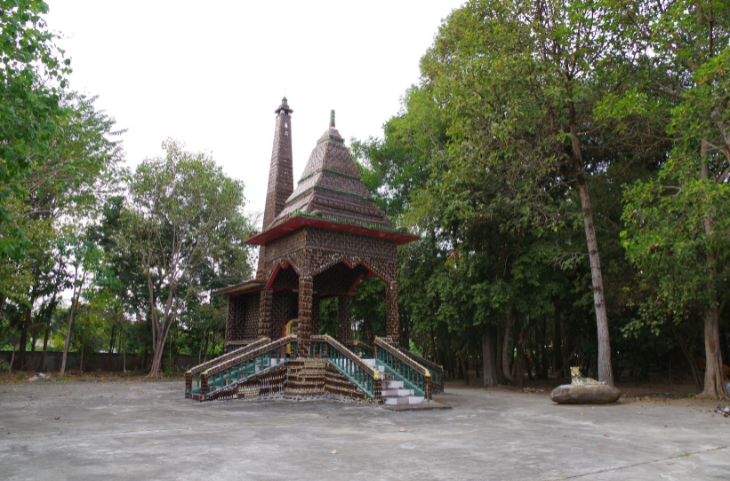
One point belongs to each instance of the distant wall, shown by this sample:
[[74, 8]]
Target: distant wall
[[101, 361]]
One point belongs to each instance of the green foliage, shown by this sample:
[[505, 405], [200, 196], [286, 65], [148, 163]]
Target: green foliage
[[32, 116], [186, 230], [677, 225]]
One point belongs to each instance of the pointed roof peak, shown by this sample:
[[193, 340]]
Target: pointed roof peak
[[331, 186], [284, 107], [331, 134]]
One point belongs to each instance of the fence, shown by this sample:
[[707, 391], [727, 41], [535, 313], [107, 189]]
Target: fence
[[101, 361]]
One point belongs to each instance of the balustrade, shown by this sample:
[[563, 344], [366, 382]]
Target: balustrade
[[255, 361], [364, 376], [361, 349], [196, 370], [414, 375]]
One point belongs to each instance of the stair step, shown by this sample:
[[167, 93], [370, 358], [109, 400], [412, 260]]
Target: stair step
[[397, 392], [396, 401], [391, 385]]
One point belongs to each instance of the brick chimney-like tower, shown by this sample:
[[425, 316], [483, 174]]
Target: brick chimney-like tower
[[281, 176]]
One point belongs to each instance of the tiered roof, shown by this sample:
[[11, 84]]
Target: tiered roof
[[331, 195]]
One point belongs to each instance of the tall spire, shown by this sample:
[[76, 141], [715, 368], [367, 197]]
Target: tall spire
[[281, 176], [332, 118]]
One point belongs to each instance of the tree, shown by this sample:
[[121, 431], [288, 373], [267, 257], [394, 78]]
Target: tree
[[678, 224], [82, 255], [520, 81], [69, 183], [32, 77], [185, 218]]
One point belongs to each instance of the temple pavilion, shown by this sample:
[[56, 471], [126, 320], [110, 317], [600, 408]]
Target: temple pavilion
[[318, 241]]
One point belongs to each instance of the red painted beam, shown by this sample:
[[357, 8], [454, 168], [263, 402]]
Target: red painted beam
[[273, 276], [373, 272], [357, 281]]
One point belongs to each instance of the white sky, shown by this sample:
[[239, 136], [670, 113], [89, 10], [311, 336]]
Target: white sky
[[211, 73]]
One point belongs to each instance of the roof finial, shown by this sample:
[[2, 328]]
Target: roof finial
[[332, 118], [283, 99]]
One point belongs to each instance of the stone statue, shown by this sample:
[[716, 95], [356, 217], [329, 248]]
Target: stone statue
[[576, 379]]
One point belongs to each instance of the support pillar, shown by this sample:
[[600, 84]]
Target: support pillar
[[392, 321], [343, 316], [315, 315], [265, 313], [305, 316]]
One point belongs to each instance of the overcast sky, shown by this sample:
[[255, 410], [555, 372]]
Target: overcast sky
[[211, 73]]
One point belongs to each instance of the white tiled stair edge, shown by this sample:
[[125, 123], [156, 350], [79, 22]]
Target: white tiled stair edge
[[393, 391]]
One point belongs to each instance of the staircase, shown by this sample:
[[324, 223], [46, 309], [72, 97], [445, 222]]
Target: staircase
[[269, 370], [393, 391]]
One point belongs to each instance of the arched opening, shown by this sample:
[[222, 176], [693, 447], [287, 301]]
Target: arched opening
[[339, 284]]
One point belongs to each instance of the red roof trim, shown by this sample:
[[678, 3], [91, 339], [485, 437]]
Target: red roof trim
[[300, 221], [273, 276], [357, 281], [373, 272]]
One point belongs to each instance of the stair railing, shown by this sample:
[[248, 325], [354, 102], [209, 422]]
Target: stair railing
[[361, 349], [415, 376], [195, 371], [437, 372], [242, 367], [364, 376]]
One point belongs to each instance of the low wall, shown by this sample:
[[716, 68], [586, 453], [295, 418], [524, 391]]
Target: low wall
[[101, 361]]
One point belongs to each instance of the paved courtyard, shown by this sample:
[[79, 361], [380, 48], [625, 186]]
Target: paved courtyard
[[146, 430]]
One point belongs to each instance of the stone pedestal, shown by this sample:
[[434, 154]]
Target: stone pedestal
[[595, 394]]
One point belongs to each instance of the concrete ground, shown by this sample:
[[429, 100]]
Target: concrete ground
[[125, 430]]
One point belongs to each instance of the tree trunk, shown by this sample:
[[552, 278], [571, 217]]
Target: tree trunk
[[200, 351], [81, 362], [529, 351], [714, 377], [433, 346], [542, 346], [31, 360], [506, 350], [605, 370], [24, 337], [688, 351], [714, 385], [111, 349], [498, 357], [42, 367], [156, 367], [465, 368], [519, 363], [68, 337], [489, 369], [159, 348], [725, 346], [12, 358]]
